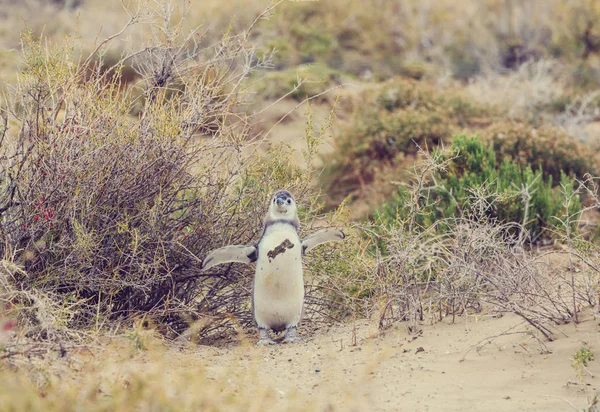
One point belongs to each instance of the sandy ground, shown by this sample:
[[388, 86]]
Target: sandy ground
[[396, 371]]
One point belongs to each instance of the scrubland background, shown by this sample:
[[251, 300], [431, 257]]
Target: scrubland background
[[457, 144]]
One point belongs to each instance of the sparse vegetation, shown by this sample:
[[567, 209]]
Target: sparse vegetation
[[478, 262], [461, 163], [582, 359]]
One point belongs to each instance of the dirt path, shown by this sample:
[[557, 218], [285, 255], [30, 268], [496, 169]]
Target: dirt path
[[391, 372]]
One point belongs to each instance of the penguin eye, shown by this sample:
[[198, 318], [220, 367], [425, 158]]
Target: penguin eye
[[289, 202]]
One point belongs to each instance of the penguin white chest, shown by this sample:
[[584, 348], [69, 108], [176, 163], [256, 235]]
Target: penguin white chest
[[278, 294]]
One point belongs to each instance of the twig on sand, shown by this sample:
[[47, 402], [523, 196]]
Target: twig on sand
[[543, 348]]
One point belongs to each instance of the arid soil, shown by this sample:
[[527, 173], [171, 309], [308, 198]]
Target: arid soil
[[476, 364], [447, 367]]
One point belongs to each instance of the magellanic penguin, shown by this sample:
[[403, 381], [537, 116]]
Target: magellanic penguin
[[278, 292]]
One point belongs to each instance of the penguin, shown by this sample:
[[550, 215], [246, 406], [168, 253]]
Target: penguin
[[278, 290]]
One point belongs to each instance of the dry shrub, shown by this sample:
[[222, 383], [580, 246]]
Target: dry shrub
[[580, 115], [540, 92], [107, 214], [533, 86], [475, 268], [480, 265]]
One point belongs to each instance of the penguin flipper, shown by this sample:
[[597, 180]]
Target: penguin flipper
[[228, 254], [322, 236]]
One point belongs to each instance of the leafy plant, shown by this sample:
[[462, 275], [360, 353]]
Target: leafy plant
[[582, 359], [473, 184]]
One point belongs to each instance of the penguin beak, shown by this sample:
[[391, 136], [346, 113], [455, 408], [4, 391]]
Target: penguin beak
[[282, 205]]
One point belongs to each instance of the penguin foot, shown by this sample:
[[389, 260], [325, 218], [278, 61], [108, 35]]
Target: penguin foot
[[290, 336], [263, 338]]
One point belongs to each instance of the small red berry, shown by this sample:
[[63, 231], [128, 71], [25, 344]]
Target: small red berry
[[8, 326]]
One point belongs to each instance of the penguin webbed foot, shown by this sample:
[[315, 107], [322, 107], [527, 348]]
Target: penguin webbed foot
[[290, 336], [263, 338]]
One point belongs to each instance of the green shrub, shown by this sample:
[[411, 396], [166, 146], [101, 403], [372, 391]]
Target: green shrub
[[312, 42], [547, 148], [392, 120], [582, 359], [475, 184]]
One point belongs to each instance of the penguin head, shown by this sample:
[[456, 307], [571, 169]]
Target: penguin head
[[283, 206]]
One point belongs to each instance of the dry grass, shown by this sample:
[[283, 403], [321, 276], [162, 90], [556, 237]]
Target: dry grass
[[106, 215], [478, 264], [112, 186], [531, 87], [535, 92], [414, 37]]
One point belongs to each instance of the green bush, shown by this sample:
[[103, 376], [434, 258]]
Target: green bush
[[392, 120], [312, 43], [475, 184], [547, 148]]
